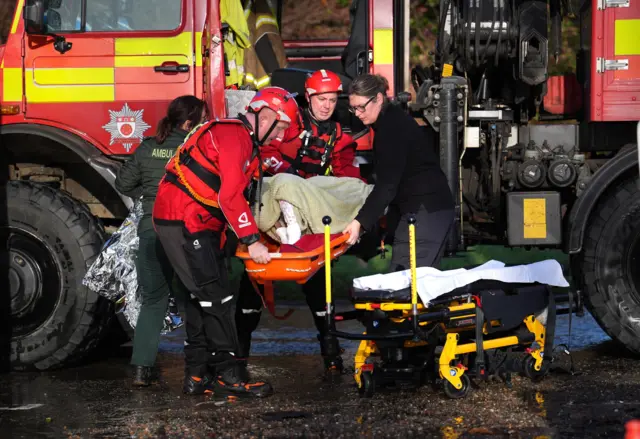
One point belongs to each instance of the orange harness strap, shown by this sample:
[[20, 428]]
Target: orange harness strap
[[268, 299]]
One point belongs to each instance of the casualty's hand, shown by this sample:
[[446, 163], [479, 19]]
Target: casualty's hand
[[259, 253], [353, 229]]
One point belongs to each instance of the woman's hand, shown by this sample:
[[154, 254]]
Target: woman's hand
[[259, 253], [353, 229]]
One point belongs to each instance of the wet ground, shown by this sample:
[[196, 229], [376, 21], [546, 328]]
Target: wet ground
[[96, 401]]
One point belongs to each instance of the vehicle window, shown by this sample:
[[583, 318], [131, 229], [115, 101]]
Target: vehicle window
[[7, 9], [115, 15], [315, 20]]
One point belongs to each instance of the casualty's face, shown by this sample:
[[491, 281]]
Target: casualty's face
[[365, 107], [323, 105]]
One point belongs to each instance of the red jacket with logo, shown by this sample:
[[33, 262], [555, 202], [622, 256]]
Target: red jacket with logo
[[280, 155], [224, 149]]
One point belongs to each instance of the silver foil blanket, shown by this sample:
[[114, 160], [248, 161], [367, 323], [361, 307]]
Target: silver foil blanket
[[113, 273]]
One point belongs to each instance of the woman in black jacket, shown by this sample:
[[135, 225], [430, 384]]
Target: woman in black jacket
[[141, 175], [409, 180]]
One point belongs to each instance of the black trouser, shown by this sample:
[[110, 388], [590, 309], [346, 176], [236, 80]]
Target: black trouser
[[249, 309], [199, 262], [155, 277], [432, 229]]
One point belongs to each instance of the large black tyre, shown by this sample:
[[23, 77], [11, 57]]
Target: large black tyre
[[608, 268], [52, 241]]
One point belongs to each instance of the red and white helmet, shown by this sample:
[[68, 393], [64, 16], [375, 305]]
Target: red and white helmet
[[323, 81], [277, 99]]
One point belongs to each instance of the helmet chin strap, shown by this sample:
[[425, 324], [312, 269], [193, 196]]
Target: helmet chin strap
[[310, 109], [271, 128], [255, 132]]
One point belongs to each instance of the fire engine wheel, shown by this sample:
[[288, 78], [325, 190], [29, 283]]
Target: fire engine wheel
[[609, 261], [52, 240]]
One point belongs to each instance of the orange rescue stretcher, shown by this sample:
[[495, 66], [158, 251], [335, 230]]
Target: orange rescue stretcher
[[297, 262]]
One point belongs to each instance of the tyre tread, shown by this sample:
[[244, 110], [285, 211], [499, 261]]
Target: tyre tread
[[89, 234], [600, 303]]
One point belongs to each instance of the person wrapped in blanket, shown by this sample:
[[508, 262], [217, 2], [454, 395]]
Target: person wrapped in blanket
[[315, 146]]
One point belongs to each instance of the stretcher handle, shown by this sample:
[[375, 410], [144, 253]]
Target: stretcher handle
[[335, 245], [412, 259], [326, 220]]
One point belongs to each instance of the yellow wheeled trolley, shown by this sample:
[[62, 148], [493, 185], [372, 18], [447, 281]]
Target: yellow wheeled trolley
[[484, 329]]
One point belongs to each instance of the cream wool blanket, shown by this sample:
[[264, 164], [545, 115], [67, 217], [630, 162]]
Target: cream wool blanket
[[312, 199]]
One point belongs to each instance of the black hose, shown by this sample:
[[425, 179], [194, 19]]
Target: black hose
[[476, 16], [467, 32], [490, 36], [497, 58], [443, 17]]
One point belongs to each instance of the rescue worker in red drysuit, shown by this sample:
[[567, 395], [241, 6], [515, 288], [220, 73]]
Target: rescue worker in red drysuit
[[318, 147], [199, 196]]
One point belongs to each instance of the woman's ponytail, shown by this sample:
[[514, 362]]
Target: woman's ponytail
[[164, 128], [183, 109]]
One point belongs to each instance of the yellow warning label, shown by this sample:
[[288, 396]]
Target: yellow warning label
[[535, 218]]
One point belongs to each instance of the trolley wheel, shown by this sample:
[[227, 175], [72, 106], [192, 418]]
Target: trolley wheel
[[454, 393], [367, 385], [530, 371]]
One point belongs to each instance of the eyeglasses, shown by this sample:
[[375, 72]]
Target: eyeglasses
[[360, 108]]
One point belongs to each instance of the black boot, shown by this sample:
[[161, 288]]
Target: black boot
[[330, 350], [333, 365], [231, 381], [197, 385], [212, 369], [143, 376]]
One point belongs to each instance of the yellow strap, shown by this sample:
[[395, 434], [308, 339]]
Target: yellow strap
[[266, 19], [247, 9], [263, 82]]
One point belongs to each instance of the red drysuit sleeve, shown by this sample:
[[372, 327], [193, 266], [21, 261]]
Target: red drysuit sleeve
[[234, 156]]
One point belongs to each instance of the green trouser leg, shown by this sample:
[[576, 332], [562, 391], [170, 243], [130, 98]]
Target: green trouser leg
[[154, 277]]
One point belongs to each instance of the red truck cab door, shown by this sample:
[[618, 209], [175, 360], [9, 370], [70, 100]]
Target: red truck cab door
[[111, 69], [615, 61]]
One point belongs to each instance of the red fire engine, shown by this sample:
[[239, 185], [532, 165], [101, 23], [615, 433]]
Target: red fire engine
[[529, 164]]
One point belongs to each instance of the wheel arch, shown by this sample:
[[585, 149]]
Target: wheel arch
[[48, 145], [621, 166]]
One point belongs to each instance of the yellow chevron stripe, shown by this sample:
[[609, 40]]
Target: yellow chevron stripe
[[179, 45], [16, 18], [37, 93], [75, 76], [198, 48], [149, 52], [12, 84], [383, 46]]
